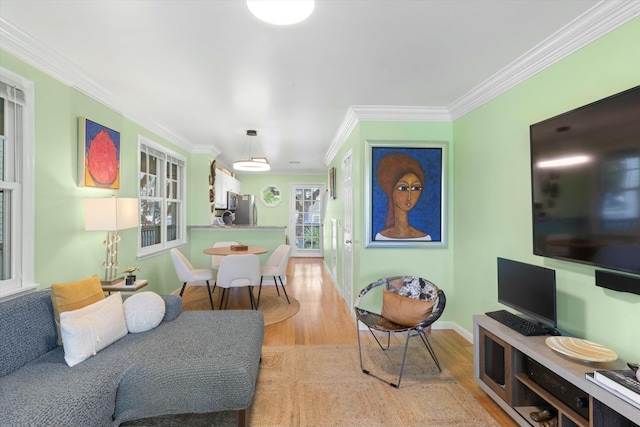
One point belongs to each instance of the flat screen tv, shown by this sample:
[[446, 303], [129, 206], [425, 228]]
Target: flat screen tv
[[529, 289], [585, 176]]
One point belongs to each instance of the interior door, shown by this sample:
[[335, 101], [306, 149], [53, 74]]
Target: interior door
[[305, 220], [347, 229]]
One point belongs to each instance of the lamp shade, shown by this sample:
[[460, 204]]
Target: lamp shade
[[251, 163], [110, 214], [254, 164]]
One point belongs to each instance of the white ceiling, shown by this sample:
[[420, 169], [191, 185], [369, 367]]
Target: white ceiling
[[203, 72]]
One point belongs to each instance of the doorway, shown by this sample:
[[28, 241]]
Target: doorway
[[347, 229], [305, 219]]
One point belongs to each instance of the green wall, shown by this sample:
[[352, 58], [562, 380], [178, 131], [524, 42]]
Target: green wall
[[267, 216], [199, 207], [335, 209], [492, 196], [370, 264], [64, 250], [488, 193], [278, 215]]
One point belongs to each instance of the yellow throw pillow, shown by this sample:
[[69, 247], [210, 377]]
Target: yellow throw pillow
[[405, 311], [74, 295]]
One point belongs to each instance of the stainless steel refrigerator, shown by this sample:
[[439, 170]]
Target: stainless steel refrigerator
[[246, 212]]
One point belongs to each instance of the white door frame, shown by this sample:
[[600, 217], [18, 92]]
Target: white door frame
[[295, 251], [347, 229]]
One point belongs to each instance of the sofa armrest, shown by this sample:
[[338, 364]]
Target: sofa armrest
[[173, 304]]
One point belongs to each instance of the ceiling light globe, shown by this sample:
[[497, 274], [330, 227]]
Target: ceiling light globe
[[281, 12]]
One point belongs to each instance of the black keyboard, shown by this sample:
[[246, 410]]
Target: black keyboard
[[517, 323]]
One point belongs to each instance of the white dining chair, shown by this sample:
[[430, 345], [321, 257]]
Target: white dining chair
[[187, 274], [216, 259], [236, 271], [276, 266]]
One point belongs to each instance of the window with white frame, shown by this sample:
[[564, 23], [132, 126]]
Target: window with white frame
[[16, 184], [162, 196]]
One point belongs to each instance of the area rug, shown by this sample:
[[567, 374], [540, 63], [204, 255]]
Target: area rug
[[323, 386], [275, 308]]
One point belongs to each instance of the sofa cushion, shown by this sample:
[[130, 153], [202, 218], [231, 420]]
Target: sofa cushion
[[74, 295], [90, 329], [27, 330], [47, 392], [204, 361], [173, 307], [143, 311]]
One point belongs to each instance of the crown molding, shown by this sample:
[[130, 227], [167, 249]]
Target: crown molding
[[30, 50], [206, 149], [349, 123], [382, 113], [388, 113], [602, 18], [586, 28]]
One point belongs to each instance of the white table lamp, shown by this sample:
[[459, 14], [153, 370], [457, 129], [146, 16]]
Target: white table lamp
[[110, 214]]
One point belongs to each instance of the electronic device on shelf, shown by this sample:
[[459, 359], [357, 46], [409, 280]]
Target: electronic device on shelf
[[584, 184], [563, 390], [530, 290]]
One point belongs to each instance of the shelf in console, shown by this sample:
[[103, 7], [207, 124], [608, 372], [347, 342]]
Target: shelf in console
[[549, 398], [519, 347], [524, 411]]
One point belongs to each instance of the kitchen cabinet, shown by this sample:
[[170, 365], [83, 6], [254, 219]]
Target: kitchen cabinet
[[222, 184]]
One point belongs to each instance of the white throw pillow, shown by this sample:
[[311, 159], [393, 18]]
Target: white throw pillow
[[90, 329], [143, 311]]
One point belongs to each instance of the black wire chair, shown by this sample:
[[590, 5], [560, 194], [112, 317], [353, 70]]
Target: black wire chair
[[410, 287]]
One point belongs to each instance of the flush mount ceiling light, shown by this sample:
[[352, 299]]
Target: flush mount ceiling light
[[252, 164], [281, 12]]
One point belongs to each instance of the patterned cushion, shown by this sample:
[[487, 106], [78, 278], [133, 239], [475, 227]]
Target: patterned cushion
[[413, 287]]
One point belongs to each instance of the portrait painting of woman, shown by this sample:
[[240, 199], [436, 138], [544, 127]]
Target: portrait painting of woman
[[406, 195]]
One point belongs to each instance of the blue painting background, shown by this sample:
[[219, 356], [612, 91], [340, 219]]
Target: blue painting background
[[92, 129], [426, 215]]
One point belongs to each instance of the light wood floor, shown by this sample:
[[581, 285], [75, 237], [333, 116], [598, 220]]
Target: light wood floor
[[325, 319]]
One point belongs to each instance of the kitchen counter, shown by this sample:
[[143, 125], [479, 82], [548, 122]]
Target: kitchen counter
[[201, 237], [235, 227]]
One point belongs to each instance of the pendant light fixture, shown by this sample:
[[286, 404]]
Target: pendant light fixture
[[252, 164], [281, 12]]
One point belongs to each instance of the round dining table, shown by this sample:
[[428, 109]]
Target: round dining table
[[226, 250]]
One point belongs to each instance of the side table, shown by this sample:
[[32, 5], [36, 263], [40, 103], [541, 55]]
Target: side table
[[121, 287]]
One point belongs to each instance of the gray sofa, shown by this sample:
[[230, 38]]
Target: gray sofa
[[193, 362]]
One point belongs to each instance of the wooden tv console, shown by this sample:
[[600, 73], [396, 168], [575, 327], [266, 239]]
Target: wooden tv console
[[505, 363]]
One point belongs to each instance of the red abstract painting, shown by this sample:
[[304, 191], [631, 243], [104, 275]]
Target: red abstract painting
[[99, 165]]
